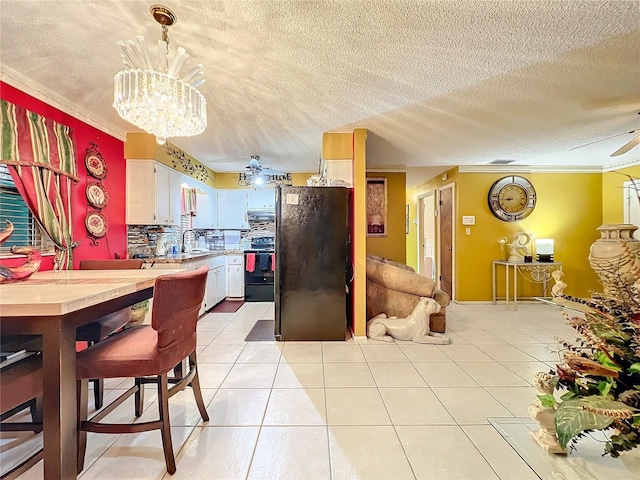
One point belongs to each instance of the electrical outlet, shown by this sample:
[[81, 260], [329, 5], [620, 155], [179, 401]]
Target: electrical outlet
[[468, 231]]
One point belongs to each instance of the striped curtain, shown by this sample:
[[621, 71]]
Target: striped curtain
[[41, 159]]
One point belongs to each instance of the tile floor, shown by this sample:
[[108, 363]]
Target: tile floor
[[326, 410]]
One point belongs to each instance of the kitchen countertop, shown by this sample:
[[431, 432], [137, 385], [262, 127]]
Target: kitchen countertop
[[191, 256]]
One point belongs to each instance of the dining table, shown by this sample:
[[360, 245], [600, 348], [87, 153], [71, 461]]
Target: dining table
[[53, 304]]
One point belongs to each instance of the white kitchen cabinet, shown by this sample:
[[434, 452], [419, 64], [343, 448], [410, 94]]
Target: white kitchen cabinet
[[232, 209], [339, 170], [261, 199], [202, 219], [235, 276], [152, 194], [216, 282]]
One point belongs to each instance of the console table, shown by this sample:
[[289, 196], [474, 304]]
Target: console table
[[536, 272]]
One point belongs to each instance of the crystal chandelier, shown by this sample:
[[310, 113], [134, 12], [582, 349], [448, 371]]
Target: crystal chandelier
[[152, 94]]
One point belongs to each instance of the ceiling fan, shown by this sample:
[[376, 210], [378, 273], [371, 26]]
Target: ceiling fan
[[259, 175], [629, 145]]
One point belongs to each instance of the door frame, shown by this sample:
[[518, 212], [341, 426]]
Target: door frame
[[419, 246], [451, 185]]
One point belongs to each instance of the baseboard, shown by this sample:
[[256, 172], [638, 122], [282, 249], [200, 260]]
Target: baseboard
[[360, 338]]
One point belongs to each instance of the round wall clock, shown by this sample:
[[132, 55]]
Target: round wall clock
[[97, 195], [512, 198]]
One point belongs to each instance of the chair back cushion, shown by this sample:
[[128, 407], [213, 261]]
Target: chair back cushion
[[176, 302], [111, 264]]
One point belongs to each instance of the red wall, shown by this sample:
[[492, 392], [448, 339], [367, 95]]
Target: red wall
[[112, 150]]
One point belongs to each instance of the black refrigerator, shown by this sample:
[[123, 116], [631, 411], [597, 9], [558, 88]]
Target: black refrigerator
[[312, 252]]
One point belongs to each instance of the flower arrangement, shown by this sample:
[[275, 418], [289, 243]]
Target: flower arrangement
[[600, 376]]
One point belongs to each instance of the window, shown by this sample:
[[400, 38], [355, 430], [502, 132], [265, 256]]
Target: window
[[26, 231]]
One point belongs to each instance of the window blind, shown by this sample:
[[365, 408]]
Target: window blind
[[26, 231]]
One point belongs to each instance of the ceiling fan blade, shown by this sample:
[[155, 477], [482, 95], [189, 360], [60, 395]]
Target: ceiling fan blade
[[268, 171], [626, 147]]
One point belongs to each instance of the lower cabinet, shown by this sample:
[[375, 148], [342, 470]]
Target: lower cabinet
[[216, 282], [235, 276]]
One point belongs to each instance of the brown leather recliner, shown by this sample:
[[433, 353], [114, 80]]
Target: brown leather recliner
[[394, 289]]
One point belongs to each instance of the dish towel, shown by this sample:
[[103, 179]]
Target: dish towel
[[251, 262], [273, 262], [263, 260]]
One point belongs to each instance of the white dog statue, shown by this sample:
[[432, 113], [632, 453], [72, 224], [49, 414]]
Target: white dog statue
[[415, 327]]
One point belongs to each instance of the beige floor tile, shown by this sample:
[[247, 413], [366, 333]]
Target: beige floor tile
[[240, 326], [302, 352], [250, 375], [138, 456], [492, 374], [470, 406], [424, 353], [526, 370], [260, 352], [299, 375], [216, 452], [363, 452], [347, 375], [230, 338], [443, 453], [506, 353], [220, 354], [211, 326], [205, 338], [415, 406], [465, 353], [515, 399], [341, 352], [542, 351], [384, 353], [479, 337], [296, 406], [213, 374], [244, 406], [444, 375], [502, 458], [356, 406], [396, 375], [183, 410], [293, 453], [513, 336]]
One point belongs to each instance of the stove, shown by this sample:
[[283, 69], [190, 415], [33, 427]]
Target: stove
[[259, 271], [263, 243]]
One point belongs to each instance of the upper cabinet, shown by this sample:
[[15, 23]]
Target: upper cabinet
[[263, 198], [232, 209], [153, 194]]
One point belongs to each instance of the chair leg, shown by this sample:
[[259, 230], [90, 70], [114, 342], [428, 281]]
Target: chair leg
[[195, 385], [165, 429], [36, 410], [139, 397], [83, 399], [98, 392]]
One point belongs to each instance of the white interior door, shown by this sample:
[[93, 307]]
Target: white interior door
[[632, 204], [427, 240]]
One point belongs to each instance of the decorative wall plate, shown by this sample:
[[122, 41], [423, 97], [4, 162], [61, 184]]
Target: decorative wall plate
[[97, 195], [96, 224], [96, 165]]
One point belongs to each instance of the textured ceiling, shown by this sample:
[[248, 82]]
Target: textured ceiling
[[437, 83]]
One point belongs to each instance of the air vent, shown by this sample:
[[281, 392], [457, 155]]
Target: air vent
[[501, 162]]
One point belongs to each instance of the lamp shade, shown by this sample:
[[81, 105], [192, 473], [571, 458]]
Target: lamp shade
[[544, 246]]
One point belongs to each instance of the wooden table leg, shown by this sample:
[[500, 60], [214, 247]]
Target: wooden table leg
[[59, 389]]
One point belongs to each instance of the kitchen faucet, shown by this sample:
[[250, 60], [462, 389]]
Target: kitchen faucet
[[183, 250]]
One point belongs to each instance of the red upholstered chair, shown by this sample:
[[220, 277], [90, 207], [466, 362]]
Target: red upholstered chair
[[21, 387], [103, 327], [147, 351]]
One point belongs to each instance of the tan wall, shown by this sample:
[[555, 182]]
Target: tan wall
[[394, 245]]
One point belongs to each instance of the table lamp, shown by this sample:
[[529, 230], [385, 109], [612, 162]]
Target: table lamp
[[544, 249]]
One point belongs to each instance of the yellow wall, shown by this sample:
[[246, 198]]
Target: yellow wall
[[394, 245], [613, 194], [230, 180], [337, 146], [568, 209], [144, 146]]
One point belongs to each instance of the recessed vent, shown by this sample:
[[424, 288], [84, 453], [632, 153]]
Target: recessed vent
[[501, 162]]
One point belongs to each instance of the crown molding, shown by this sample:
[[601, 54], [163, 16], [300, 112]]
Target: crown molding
[[387, 168], [42, 93], [619, 165], [530, 169]]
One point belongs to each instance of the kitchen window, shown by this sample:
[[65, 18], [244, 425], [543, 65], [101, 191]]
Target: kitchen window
[[26, 231]]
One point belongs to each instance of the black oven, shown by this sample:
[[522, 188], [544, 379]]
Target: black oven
[[259, 273]]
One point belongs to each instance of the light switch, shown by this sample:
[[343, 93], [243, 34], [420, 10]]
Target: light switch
[[468, 220], [468, 231]]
